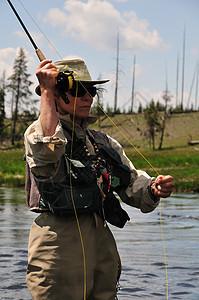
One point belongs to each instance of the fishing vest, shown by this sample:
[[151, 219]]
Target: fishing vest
[[84, 182]]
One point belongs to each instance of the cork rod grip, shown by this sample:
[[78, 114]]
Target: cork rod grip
[[40, 54]]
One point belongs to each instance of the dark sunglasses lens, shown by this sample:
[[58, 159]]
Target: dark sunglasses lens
[[77, 92], [81, 91], [92, 91]]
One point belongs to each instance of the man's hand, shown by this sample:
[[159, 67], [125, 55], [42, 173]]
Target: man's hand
[[163, 186], [46, 74]]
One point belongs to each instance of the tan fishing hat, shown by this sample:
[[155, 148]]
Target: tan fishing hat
[[80, 72]]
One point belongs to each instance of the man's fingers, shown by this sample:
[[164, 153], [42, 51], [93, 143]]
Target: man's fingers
[[45, 62], [166, 178], [164, 185]]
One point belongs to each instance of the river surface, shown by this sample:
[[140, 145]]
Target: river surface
[[139, 243]]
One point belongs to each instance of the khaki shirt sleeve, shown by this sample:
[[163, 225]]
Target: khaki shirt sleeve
[[43, 152], [136, 194]]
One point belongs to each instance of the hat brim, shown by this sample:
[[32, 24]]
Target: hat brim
[[86, 82]]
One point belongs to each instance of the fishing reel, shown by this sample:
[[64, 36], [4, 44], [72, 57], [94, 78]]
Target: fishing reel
[[65, 82]]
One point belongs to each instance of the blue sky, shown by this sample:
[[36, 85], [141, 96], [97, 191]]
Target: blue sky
[[150, 29]]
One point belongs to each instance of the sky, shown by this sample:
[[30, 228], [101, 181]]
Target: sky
[[150, 31]]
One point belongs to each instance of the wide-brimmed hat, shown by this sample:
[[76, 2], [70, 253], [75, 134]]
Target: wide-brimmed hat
[[79, 69]]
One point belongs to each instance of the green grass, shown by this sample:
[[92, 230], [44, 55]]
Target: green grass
[[184, 168], [12, 168], [176, 158]]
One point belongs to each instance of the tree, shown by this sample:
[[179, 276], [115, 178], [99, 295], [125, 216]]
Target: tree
[[2, 107], [160, 106], [140, 108], [151, 116], [167, 97], [19, 85]]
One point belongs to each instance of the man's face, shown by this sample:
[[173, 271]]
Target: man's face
[[80, 105]]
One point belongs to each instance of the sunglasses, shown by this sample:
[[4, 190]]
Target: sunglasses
[[79, 90], [66, 83]]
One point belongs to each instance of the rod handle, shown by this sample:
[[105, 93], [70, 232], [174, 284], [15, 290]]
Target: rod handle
[[40, 54]]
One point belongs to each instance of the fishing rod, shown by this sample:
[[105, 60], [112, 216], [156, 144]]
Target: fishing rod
[[37, 50], [65, 81]]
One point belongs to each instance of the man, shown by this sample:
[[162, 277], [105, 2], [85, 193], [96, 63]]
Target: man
[[73, 173]]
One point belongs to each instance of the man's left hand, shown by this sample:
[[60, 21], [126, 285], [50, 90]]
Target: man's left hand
[[163, 186]]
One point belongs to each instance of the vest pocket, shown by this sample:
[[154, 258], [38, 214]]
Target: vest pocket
[[63, 200]]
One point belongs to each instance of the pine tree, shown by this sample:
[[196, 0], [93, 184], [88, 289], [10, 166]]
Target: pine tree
[[151, 116], [2, 107], [19, 85]]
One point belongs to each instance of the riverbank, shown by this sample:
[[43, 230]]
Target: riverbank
[[178, 157], [183, 167], [12, 168]]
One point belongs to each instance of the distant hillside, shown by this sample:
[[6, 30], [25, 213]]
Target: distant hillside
[[180, 129]]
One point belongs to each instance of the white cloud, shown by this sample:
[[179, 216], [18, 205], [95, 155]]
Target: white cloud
[[121, 0], [97, 23], [135, 33], [7, 55], [56, 17], [130, 1]]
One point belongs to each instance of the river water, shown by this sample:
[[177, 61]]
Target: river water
[[139, 243]]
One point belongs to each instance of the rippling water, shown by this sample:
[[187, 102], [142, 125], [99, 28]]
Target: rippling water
[[139, 243]]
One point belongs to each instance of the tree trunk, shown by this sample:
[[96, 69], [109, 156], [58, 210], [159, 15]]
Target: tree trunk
[[163, 128], [15, 116]]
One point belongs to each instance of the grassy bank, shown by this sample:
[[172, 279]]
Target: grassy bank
[[12, 168], [183, 167], [176, 158]]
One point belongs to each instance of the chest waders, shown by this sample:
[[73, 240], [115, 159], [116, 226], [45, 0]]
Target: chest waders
[[94, 180]]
